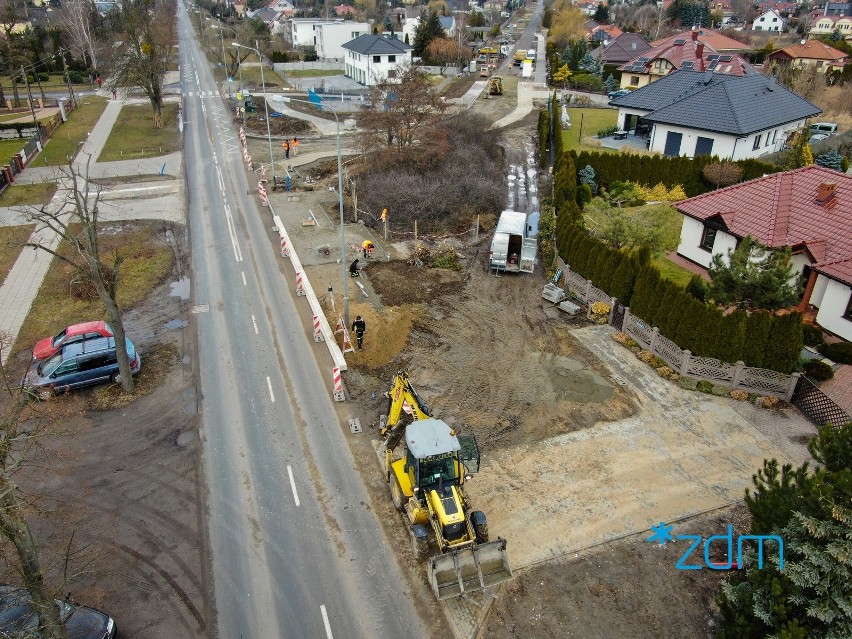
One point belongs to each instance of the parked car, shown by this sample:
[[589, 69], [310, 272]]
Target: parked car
[[92, 361], [612, 95], [49, 346], [18, 618], [827, 128], [818, 137]]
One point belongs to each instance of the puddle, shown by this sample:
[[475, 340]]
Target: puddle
[[180, 288], [176, 324], [572, 381]]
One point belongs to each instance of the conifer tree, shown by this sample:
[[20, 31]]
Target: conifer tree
[[758, 328]]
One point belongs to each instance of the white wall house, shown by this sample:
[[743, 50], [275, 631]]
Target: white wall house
[[808, 210], [302, 32], [330, 37], [370, 59], [769, 21], [690, 113]]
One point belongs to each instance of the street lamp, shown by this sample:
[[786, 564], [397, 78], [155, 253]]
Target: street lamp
[[222, 29], [265, 105], [222, 40], [343, 274]]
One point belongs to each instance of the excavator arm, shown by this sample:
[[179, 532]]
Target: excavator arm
[[402, 398]]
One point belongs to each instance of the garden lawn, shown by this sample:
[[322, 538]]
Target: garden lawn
[[593, 120], [22, 194], [312, 73], [671, 271], [133, 137], [66, 140], [148, 258], [11, 245]]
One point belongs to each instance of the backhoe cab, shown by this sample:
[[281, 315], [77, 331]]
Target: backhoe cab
[[426, 483]]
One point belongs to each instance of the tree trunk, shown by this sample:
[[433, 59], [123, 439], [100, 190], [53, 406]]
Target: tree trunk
[[17, 97], [2, 97], [16, 529], [117, 324]]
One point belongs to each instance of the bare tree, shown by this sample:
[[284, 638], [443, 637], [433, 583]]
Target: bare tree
[[75, 222], [17, 443], [149, 40], [722, 173], [399, 107], [78, 26]]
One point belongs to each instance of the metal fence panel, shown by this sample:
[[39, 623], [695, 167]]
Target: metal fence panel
[[817, 406]]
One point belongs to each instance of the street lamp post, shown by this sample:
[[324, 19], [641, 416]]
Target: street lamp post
[[265, 105], [343, 274]]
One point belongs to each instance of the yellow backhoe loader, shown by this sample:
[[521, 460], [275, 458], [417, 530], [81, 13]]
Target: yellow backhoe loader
[[426, 484], [495, 85]]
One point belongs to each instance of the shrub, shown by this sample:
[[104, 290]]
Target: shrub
[[818, 371], [446, 257], [705, 387], [667, 373], [652, 360], [601, 308], [769, 402], [812, 336], [624, 339], [739, 395], [720, 391], [697, 287], [602, 133], [688, 383], [840, 352]]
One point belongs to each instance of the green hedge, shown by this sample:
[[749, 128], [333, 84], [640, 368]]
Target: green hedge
[[650, 170]]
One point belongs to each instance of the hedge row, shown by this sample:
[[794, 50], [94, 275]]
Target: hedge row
[[701, 328], [650, 170]]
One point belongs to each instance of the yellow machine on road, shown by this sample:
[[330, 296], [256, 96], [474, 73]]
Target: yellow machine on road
[[426, 483], [495, 85]]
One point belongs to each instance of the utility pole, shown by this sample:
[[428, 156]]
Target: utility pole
[[32, 104], [68, 79]]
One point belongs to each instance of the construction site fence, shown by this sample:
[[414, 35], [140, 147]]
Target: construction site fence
[[402, 234]]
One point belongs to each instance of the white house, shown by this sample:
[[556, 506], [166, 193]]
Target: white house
[[302, 32], [769, 21], [330, 37], [693, 113], [808, 210], [371, 59]]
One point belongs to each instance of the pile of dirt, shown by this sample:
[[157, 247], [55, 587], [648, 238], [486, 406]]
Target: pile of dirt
[[399, 283]]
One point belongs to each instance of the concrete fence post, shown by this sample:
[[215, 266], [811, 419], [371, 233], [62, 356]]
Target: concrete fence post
[[625, 324], [655, 332], [684, 363], [791, 386], [612, 304], [738, 374], [587, 291]]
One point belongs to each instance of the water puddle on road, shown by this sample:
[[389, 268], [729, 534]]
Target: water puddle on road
[[176, 324], [180, 288], [572, 381]]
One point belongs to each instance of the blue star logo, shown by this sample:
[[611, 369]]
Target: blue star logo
[[662, 534]]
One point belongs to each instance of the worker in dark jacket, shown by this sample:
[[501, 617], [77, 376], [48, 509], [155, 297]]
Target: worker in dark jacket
[[354, 269], [359, 326]]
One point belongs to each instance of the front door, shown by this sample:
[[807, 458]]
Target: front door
[[673, 144]]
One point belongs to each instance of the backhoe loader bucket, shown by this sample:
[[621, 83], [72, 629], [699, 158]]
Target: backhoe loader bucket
[[470, 569]]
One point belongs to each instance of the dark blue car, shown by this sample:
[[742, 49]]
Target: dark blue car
[[86, 363]]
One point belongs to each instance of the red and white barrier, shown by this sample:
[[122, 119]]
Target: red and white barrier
[[262, 191], [300, 284], [347, 342], [285, 251], [338, 384], [317, 329]]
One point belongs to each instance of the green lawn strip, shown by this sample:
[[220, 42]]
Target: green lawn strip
[[8, 148], [133, 137], [251, 76], [11, 239], [66, 139], [147, 260], [590, 121], [671, 271], [34, 194], [311, 73]]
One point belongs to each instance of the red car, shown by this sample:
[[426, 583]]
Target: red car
[[49, 346]]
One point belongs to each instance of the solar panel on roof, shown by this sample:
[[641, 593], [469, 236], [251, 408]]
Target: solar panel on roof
[[726, 58], [688, 64], [679, 41], [713, 56], [643, 60], [712, 65]]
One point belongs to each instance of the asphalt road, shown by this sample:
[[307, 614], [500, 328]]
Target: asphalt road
[[295, 552]]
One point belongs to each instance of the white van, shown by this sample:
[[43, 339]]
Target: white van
[[823, 127]]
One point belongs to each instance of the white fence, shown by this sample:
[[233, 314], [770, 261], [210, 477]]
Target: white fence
[[735, 376]]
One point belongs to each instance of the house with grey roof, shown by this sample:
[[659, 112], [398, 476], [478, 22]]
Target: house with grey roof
[[371, 59], [622, 49], [692, 113]]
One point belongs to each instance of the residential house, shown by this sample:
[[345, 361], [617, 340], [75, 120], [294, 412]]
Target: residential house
[[587, 8], [808, 210], [448, 24], [810, 53], [827, 25], [345, 11], [329, 38], [769, 21], [370, 59], [681, 53], [720, 43], [240, 9], [734, 117], [303, 33], [282, 6], [782, 7], [724, 9], [602, 33], [493, 5], [624, 48], [837, 9]]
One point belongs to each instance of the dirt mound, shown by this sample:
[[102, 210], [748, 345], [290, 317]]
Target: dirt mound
[[399, 283]]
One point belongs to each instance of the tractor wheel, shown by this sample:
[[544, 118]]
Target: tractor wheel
[[480, 526], [396, 493]]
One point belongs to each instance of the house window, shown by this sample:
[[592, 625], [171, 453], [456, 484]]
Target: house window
[[634, 80], [774, 136], [848, 313], [708, 237], [391, 58], [756, 143], [704, 146], [377, 59]]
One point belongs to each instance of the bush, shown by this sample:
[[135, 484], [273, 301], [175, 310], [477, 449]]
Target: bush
[[697, 287], [688, 383], [652, 360], [739, 395], [720, 391], [769, 402], [446, 257], [668, 373], [840, 353], [602, 133], [624, 339], [812, 336], [818, 371], [704, 387]]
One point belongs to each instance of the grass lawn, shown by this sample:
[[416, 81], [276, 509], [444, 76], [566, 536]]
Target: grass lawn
[[312, 73], [8, 117], [148, 258], [67, 138], [132, 136], [251, 77], [35, 194], [671, 271], [591, 121], [11, 238], [8, 148]]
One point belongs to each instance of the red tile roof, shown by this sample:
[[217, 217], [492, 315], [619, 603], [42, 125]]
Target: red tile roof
[[688, 51], [811, 50], [709, 37], [781, 210]]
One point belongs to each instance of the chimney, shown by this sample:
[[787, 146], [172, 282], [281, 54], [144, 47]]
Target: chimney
[[699, 50], [826, 193], [694, 33]]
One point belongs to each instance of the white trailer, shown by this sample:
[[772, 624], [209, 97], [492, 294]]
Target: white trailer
[[511, 249], [527, 68]]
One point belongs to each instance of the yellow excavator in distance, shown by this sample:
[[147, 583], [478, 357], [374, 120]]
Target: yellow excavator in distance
[[426, 483]]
